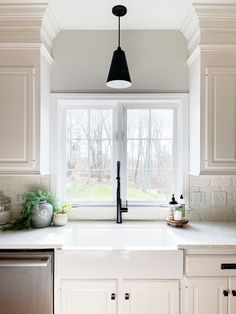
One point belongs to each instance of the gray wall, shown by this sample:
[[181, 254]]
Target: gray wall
[[156, 59]]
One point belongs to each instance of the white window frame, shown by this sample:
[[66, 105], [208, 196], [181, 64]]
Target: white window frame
[[118, 102]]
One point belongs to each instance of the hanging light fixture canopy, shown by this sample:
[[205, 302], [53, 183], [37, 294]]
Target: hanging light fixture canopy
[[118, 76]]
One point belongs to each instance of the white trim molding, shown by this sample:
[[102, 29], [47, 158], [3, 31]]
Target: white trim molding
[[28, 23], [119, 102], [210, 24]]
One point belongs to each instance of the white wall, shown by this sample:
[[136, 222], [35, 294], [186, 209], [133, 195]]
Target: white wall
[[156, 59]]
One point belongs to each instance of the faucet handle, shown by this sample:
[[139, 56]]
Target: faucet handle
[[125, 209]]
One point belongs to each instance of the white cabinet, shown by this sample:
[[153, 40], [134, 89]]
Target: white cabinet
[[88, 297], [215, 295], [24, 108], [210, 284], [204, 295], [134, 297], [17, 118], [220, 120], [213, 113], [152, 297], [232, 295]]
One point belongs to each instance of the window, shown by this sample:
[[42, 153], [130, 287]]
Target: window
[[89, 154], [146, 135]]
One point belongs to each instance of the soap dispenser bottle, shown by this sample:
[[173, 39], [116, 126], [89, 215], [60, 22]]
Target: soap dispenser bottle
[[176, 208], [182, 202]]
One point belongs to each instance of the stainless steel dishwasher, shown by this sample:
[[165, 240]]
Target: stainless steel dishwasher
[[26, 282]]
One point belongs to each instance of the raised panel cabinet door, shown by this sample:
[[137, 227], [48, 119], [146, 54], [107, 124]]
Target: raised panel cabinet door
[[232, 295], [205, 295], [151, 297], [220, 120], [88, 297], [17, 119]]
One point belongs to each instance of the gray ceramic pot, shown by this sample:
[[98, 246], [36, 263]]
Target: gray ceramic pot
[[42, 215]]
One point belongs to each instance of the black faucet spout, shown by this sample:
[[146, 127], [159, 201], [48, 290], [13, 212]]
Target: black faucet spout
[[119, 208]]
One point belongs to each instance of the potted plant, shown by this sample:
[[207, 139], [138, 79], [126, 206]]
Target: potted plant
[[37, 211], [60, 217]]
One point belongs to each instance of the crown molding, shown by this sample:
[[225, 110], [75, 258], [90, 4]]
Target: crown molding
[[28, 23], [212, 24], [209, 48], [28, 46]]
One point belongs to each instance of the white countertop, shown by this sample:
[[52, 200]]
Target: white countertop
[[194, 235]]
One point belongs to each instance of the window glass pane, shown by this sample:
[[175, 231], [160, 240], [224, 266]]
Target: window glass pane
[[138, 152], [162, 123], [161, 154], [77, 124], [77, 154], [149, 185], [88, 160], [150, 154], [77, 185], [100, 123], [137, 123], [100, 154]]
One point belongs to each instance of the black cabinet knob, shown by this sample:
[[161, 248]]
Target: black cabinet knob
[[234, 293], [127, 296], [113, 296], [225, 293]]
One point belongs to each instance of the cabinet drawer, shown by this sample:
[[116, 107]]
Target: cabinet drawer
[[210, 265]]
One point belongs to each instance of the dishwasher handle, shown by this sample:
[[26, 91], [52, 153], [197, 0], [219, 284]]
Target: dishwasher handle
[[24, 262]]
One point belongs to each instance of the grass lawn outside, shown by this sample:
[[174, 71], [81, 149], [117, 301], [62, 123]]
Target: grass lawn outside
[[103, 192]]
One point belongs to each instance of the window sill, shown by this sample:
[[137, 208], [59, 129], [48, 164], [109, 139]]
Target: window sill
[[109, 213]]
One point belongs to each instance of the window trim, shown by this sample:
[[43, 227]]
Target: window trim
[[62, 101]]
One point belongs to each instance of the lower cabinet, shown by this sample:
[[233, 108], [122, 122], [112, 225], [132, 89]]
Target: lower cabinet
[[151, 297], [88, 297], [130, 297], [210, 295]]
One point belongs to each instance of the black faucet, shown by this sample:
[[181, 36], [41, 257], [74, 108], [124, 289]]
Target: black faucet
[[119, 208]]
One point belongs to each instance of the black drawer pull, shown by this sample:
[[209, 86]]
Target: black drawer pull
[[127, 296], [113, 296], [234, 293], [225, 293], [228, 266]]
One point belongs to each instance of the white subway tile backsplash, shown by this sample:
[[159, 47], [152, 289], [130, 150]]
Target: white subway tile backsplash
[[197, 199], [218, 198], [15, 186]]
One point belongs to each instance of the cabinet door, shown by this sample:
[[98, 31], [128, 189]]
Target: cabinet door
[[88, 297], [232, 295], [220, 120], [17, 119], [151, 297], [204, 295]]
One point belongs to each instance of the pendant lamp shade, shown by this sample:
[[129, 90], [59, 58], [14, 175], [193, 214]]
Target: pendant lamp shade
[[118, 76]]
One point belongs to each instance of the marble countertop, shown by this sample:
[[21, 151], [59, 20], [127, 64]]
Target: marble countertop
[[194, 235]]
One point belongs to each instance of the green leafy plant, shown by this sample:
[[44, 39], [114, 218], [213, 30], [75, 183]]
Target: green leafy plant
[[64, 208], [32, 200]]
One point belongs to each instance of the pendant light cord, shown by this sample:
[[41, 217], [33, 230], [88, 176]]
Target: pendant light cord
[[119, 31]]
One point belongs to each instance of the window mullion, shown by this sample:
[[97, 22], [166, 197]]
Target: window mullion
[[124, 153], [89, 153]]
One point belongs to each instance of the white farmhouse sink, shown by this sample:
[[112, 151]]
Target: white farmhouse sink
[[119, 237], [125, 251]]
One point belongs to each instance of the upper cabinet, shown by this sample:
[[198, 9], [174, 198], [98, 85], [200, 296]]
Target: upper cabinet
[[212, 77], [220, 120], [25, 88], [17, 107]]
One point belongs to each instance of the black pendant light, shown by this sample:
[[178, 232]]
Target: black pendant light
[[118, 76]]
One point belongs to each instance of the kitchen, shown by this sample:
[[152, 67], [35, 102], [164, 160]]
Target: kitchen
[[181, 60]]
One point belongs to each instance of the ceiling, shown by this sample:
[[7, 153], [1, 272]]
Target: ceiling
[[142, 14]]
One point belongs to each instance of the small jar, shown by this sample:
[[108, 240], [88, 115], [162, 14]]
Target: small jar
[[178, 213]]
